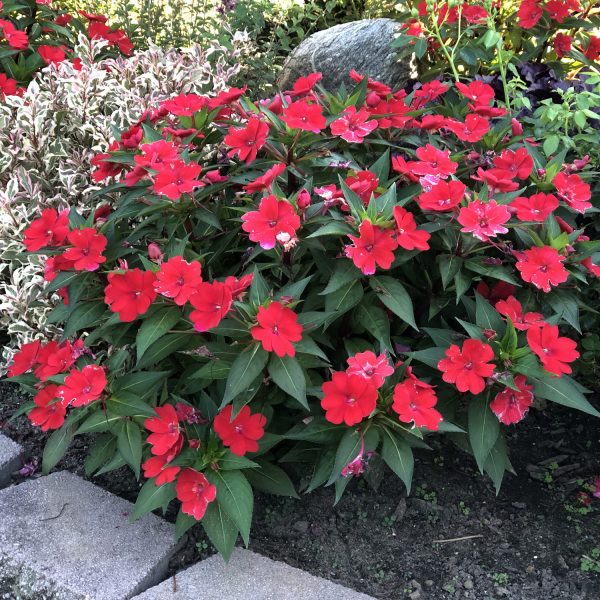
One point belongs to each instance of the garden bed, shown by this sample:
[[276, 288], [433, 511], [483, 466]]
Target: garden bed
[[531, 538]]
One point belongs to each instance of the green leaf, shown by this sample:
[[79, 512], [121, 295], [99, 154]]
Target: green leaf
[[354, 201], [141, 383], [99, 421], [335, 228], [347, 451], [183, 522], [562, 391], [234, 495], [345, 298], [484, 428], [271, 479], [231, 462], [375, 321], [163, 347], [551, 143], [101, 452], [497, 463], [487, 317], [344, 273], [83, 316], [450, 265], [155, 327], [394, 295], [429, 356], [220, 529], [287, 374], [398, 456], [150, 497], [129, 443], [56, 446], [246, 368], [129, 405], [317, 430], [259, 290]]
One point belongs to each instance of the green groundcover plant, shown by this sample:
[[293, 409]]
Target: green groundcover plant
[[314, 279]]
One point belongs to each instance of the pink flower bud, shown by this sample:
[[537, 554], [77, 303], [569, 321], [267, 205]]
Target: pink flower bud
[[155, 253], [517, 128], [303, 199]]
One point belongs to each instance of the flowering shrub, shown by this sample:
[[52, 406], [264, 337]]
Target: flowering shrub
[[312, 278], [35, 33], [47, 138]]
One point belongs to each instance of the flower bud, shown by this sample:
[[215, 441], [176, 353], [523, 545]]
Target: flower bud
[[517, 128], [155, 253], [303, 199]]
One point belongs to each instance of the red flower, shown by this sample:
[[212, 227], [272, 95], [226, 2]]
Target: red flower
[[573, 191], [305, 116], [185, 105], [498, 180], [553, 351], [195, 492], [88, 245], [158, 466], [373, 248], [166, 436], [274, 220], [50, 229], [474, 14], [390, 113], [105, 168], [477, 91], [472, 130], [241, 434], [16, 39], [518, 164], [8, 86], [277, 328], [407, 234], [178, 178], [371, 367], [25, 359], [156, 154], [512, 309], [558, 10], [414, 401], [467, 369], [247, 141], [535, 208], [592, 52], [484, 219], [130, 294], [348, 398], [363, 184], [443, 197], [47, 413], [500, 291], [433, 162], [238, 287], [427, 93], [353, 125], [304, 85], [511, 406], [83, 387], [51, 54], [264, 182], [562, 44], [529, 13], [375, 86], [542, 267], [54, 358], [212, 302], [178, 279]]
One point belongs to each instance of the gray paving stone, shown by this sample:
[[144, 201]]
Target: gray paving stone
[[64, 538], [248, 576], [11, 454]]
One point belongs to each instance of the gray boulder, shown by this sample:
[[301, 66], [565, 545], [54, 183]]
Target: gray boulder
[[364, 46]]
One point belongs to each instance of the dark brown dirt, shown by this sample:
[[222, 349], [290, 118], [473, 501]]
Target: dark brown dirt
[[530, 539]]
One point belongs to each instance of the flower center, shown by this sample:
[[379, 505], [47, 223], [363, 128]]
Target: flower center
[[350, 401], [468, 365], [369, 247]]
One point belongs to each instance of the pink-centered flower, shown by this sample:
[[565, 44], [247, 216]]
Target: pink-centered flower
[[484, 219]]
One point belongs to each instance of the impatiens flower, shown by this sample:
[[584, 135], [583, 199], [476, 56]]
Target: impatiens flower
[[8, 86], [264, 182], [49, 412], [51, 229], [16, 38], [390, 113], [542, 267], [511, 406], [472, 130], [573, 191], [166, 434], [304, 116], [158, 466], [373, 248], [238, 287], [156, 154], [474, 14], [371, 367], [104, 167], [54, 358], [414, 401], [443, 197], [185, 105], [241, 434], [25, 359], [86, 253], [468, 367], [562, 44], [195, 492], [592, 51], [498, 180], [500, 291], [513, 309], [272, 218], [375, 86], [178, 279], [130, 294], [348, 398], [212, 302], [51, 54], [277, 328], [477, 91], [305, 85], [83, 387], [554, 352], [536, 208], [427, 93], [518, 163], [484, 219], [178, 178], [407, 234], [353, 125], [248, 140], [433, 162], [363, 184]]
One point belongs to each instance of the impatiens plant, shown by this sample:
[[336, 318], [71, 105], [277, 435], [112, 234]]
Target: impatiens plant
[[308, 281]]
